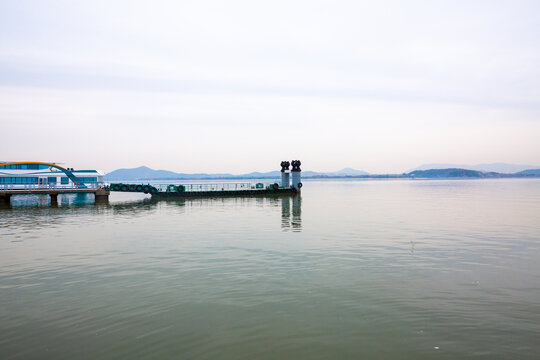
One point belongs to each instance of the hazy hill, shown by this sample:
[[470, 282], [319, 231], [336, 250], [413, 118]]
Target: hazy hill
[[146, 173], [495, 167], [447, 173], [530, 172], [259, 175], [141, 172], [348, 172]]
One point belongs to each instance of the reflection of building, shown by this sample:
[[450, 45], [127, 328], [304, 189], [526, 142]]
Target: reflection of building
[[294, 223]]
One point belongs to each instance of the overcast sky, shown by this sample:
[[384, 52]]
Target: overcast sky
[[238, 86]]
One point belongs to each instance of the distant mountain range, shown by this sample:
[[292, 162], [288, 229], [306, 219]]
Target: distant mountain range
[[465, 173], [502, 168], [450, 173], [438, 171], [146, 173]]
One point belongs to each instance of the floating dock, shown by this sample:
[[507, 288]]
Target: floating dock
[[220, 189], [205, 190]]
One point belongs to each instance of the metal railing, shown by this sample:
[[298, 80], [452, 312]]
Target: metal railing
[[96, 185], [213, 187]]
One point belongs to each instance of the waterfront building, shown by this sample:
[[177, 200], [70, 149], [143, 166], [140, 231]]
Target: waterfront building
[[30, 174]]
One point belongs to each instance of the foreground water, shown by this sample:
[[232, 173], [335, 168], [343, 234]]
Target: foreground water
[[372, 269]]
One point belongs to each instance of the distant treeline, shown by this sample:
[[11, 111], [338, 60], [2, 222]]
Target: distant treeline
[[464, 173]]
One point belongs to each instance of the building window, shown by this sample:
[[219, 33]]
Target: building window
[[88, 179], [64, 180], [18, 180], [24, 166]]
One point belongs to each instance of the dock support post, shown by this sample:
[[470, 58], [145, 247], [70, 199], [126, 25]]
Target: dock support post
[[54, 198], [5, 198], [295, 172], [102, 195], [285, 174]]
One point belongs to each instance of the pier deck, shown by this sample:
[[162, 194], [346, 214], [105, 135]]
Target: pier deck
[[204, 190], [5, 194], [45, 191]]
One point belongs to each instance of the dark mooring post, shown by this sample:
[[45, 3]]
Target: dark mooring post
[[102, 195], [5, 198]]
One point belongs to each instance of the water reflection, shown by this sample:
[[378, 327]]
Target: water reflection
[[285, 213], [23, 214], [5, 206], [294, 223], [221, 278], [37, 211], [131, 208], [41, 200]]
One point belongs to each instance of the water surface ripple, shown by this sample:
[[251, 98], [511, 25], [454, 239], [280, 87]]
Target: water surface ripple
[[373, 269]]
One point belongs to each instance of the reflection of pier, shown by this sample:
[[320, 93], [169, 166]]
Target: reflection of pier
[[81, 202], [293, 222], [291, 206]]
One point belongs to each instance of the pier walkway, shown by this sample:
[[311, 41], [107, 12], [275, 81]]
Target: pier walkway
[[205, 189], [6, 191]]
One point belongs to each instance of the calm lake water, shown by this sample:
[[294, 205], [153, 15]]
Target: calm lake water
[[351, 269]]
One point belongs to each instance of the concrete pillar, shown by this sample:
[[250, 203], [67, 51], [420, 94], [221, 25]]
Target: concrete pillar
[[102, 195], [285, 174], [285, 182], [54, 197], [295, 172]]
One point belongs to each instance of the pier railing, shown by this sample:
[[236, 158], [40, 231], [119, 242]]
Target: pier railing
[[96, 185], [212, 187]]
